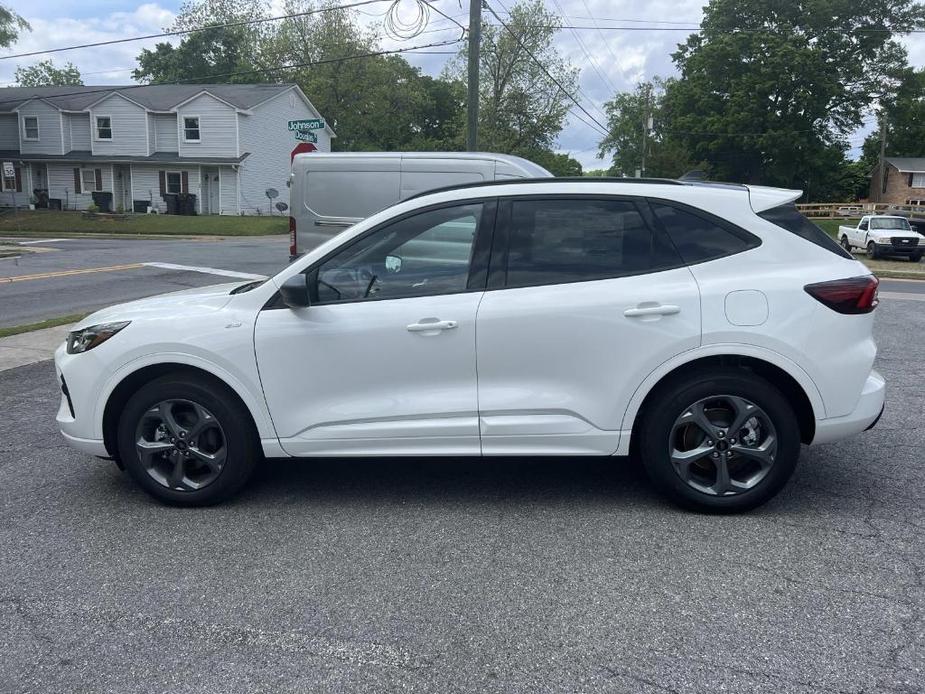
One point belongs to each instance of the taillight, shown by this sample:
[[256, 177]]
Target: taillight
[[852, 295], [293, 243]]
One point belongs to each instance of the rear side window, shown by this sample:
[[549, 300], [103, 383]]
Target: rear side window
[[698, 238], [788, 217], [576, 240]]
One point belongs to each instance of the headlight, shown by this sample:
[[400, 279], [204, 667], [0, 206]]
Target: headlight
[[87, 338]]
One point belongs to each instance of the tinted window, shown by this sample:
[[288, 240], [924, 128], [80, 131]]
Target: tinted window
[[699, 238], [788, 217], [556, 241], [425, 254]]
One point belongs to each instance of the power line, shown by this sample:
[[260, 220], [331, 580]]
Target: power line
[[604, 79], [240, 73], [558, 84], [183, 32]]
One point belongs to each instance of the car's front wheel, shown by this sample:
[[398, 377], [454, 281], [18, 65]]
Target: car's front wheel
[[872, 251], [187, 440], [915, 257], [720, 441]]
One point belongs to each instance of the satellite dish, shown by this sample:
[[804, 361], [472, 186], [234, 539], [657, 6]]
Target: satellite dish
[[282, 207], [272, 193]]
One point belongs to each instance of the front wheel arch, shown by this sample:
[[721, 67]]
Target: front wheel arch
[[135, 380]]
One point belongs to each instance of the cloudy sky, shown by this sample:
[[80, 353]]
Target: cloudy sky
[[609, 60]]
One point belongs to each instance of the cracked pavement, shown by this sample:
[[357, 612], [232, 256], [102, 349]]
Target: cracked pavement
[[466, 575]]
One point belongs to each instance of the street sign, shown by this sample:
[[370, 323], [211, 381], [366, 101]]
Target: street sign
[[306, 136], [8, 170], [307, 124]]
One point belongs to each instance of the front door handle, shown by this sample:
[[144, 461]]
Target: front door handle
[[650, 309], [432, 325]]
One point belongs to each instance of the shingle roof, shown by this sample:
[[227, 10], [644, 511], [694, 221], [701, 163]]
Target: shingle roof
[[84, 156], [157, 97], [908, 164]]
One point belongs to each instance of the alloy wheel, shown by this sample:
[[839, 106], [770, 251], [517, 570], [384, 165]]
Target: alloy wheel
[[723, 445], [181, 445]]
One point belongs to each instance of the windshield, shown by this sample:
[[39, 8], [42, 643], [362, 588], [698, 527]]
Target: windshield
[[897, 223]]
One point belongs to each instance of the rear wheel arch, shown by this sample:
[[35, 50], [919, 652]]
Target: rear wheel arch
[[777, 376], [133, 381]]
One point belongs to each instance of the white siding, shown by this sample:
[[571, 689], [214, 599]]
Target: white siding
[[217, 128], [266, 136], [49, 141], [9, 133], [146, 183], [165, 127], [61, 183], [129, 127], [78, 126], [228, 186]]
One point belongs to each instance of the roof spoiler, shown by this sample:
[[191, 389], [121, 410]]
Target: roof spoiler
[[764, 197]]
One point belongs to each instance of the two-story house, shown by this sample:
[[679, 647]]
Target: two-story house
[[225, 143]]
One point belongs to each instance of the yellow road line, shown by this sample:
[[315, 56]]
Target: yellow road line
[[69, 273]]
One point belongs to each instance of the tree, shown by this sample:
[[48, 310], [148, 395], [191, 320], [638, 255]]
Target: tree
[[556, 163], [905, 120], [10, 26], [769, 90], [521, 110], [627, 114], [45, 74]]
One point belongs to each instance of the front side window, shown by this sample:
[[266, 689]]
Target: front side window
[[423, 255], [103, 128], [88, 179], [699, 238], [174, 182], [191, 128], [30, 126], [575, 240]]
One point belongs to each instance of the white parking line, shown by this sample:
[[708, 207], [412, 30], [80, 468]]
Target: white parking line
[[32, 243], [207, 271]]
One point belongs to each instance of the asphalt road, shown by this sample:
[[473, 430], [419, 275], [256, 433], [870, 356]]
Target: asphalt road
[[466, 575], [41, 290]]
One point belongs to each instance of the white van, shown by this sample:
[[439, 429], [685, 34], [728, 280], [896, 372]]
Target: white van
[[329, 192]]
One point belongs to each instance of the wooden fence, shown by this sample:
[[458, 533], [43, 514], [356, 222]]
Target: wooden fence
[[841, 210]]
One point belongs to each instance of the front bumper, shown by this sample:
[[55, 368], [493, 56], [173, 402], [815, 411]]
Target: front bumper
[[864, 416], [76, 416]]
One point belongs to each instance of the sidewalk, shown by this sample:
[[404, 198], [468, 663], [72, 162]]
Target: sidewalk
[[28, 348]]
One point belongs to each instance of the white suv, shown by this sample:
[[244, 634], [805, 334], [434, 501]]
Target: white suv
[[709, 328]]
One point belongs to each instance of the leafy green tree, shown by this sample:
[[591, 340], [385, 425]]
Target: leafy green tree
[[521, 111], [905, 119], [10, 26], [770, 88], [595, 173], [45, 74], [557, 164]]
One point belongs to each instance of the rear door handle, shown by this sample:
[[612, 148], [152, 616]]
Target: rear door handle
[[652, 310], [431, 325]]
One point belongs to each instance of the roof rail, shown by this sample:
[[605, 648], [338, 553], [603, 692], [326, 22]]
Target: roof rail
[[547, 179]]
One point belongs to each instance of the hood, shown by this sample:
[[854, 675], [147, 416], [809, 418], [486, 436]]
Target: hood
[[898, 233], [198, 299]]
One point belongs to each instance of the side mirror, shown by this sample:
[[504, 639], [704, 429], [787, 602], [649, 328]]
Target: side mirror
[[295, 291]]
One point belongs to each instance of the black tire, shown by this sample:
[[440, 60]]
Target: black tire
[[673, 399], [872, 251], [845, 244], [241, 443], [915, 257]]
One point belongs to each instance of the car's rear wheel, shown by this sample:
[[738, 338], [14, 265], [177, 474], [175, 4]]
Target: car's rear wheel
[[721, 441], [845, 244], [872, 251], [188, 440]]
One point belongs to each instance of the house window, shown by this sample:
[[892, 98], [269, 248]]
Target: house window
[[103, 128], [191, 128], [174, 184], [918, 180], [88, 180], [30, 125]]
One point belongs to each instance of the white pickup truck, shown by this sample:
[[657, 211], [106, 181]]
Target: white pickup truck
[[883, 235]]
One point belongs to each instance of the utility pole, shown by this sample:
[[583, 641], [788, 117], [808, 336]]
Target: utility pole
[[646, 126], [475, 40], [882, 155]]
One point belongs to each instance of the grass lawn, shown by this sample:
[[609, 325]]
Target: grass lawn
[[54, 222], [50, 323]]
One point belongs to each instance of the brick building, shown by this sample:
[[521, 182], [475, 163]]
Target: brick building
[[903, 181]]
